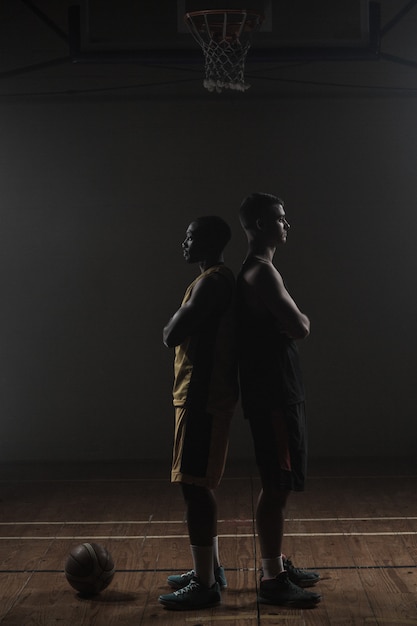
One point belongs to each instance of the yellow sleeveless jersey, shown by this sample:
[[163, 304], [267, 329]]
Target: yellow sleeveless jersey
[[205, 366]]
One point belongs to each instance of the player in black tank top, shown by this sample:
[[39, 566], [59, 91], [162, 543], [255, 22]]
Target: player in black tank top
[[269, 322]]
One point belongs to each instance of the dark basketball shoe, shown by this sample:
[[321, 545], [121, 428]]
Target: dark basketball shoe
[[178, 581], [300, 577], [281, 591], [193, 596]]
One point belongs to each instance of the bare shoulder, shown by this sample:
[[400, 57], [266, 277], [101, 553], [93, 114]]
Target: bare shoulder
[[265, 293], [263, 276]]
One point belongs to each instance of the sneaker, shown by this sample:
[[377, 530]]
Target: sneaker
[[281, 591], [300, 577], [178, 581], [192, 596]]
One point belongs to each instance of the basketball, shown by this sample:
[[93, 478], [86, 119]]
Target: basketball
[[89, 568]]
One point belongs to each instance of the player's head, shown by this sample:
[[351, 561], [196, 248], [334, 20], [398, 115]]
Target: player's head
[[206, 237], [256, 207], [262, 217]]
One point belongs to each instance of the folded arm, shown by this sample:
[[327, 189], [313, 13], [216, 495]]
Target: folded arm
[[209, 295], [275, 297]]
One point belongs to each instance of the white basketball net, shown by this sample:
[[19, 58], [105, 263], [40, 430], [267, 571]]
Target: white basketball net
[[224, 37]]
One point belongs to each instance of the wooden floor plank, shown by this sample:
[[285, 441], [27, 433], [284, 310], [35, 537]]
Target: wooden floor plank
[[410, 544], [22, 555], [48, 599], [11, 586], [343, 598], [379, 551], [356, 529], [392, 593]]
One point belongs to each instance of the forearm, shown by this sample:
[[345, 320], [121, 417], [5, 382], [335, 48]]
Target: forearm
[[304, 326], [181, 325], [171, 333], [298, 328]]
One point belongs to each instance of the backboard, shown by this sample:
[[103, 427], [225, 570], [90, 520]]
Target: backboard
[[290, 28]]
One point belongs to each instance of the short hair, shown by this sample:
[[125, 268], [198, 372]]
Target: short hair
[[256, 206], [215, 230]]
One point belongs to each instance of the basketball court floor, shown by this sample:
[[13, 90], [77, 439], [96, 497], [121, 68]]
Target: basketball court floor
[[356, 525]]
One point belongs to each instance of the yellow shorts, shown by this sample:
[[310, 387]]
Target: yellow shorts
[[201, 442]]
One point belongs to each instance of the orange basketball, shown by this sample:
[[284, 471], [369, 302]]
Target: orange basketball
[[89, 568]]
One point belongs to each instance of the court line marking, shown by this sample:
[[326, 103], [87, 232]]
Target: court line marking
[[250, 476], [276, 617], [160, 570], [388, 620], [349, 519], [239, 616], [222, 521], [227, 536]]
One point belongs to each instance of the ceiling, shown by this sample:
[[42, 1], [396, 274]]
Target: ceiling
[[123, 48]]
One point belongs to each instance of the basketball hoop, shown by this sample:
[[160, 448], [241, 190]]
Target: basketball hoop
[[224, 36]]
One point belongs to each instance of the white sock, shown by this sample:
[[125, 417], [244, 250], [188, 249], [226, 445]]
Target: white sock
[[216, 558], [272, 567], [203, 564]]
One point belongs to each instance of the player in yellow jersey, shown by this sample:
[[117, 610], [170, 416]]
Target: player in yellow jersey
[[204, 395]]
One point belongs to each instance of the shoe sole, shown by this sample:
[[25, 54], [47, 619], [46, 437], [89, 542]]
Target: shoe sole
[[305, 583], [174, 586], [174, 606], [295, 604]]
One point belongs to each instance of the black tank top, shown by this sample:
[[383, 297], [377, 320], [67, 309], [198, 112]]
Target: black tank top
[[269, 367]]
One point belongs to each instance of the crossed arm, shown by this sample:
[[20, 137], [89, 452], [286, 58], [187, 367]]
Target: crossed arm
[[274, 296], [209, 294]]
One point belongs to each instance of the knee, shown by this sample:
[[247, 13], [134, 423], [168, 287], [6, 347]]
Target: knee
[[275, 494], [193, 493]]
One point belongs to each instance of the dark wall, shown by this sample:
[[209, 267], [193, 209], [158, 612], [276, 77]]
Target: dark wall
[[95, 198]]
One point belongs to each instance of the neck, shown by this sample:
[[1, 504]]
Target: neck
[[207, 263], [262, 252]]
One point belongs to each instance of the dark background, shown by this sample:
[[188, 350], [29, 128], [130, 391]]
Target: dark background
[[102, 167]]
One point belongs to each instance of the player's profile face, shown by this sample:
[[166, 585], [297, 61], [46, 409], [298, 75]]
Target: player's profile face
[[194, 246], [276, 224]]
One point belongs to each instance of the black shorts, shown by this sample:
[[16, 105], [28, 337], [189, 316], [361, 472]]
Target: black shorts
[[280, 441]]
